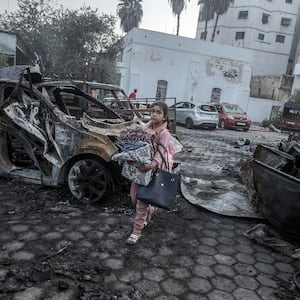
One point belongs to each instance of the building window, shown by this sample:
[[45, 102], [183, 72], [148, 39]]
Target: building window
[[202, 35], [161, 89], [265, 18], [240, 35], [280, 38], [215, 95], [289, 1], [285, 21], [261, 36], [243, 14]]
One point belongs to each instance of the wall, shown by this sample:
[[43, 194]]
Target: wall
[[8, 47], [191, 67], [272, 87], [15, 50], [296, 84], [269, 56], [260, 109]]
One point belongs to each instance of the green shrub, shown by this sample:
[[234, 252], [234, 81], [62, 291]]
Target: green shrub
[[274, 121]]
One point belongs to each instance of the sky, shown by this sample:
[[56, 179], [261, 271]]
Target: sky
[[157, 16]]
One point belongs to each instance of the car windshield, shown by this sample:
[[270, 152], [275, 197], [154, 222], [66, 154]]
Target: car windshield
[[291, 114], [233, 109]]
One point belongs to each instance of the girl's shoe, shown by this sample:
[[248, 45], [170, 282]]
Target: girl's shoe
[[133, 238]]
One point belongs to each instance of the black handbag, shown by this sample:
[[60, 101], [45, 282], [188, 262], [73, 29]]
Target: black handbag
[[162, 189]]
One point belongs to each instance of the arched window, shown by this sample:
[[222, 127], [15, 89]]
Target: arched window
[[215, 95]]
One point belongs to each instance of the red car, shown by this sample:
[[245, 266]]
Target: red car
[[233, 117]]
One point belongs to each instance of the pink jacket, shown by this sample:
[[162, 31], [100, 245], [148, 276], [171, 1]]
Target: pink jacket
[[162, 136]]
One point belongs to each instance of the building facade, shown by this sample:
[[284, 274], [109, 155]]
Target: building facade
[[161, 65], [267, 27], [14, 50]]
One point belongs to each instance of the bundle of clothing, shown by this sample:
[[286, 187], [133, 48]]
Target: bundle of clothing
[[135, 148]]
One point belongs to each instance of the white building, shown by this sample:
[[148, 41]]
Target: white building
[[265, 26], [164, 65]]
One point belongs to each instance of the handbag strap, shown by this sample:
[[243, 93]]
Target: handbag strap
[[166, 162]]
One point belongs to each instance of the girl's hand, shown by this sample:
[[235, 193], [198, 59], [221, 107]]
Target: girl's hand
[[144, 168]]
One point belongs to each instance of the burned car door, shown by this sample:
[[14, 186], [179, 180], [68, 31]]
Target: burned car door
[[26, 126], [74, 102]]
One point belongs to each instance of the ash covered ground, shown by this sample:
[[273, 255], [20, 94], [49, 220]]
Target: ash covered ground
[[53, 247]]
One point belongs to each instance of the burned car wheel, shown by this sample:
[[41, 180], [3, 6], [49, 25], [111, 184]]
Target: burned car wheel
[[87, 180]]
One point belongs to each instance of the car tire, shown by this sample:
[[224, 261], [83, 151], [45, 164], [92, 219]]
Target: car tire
[[222, 124], [189, 123], [87, 180]]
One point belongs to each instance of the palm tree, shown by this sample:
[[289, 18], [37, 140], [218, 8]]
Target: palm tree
[[177, 8], [220, 7], [209, 8], [207, 13], [130, 12]]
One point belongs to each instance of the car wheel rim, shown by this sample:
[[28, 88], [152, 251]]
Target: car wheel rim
[[87, 180]]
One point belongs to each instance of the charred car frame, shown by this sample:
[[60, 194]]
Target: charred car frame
[[276, 179], [55, 134]]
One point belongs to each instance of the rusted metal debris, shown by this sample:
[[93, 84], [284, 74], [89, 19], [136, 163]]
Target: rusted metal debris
[[276, 180]]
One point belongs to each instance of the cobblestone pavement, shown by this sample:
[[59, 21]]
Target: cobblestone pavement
[[51, 248]]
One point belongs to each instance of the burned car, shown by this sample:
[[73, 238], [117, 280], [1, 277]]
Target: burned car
[[55, 134], [68, 97], [276, 180]]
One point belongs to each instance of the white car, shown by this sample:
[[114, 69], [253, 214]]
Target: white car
[[197, 115]]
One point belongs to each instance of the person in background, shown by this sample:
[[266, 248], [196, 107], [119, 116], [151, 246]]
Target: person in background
[[133, 94], [159, 134]]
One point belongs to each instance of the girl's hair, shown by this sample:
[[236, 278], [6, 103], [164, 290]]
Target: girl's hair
[[164, 107]]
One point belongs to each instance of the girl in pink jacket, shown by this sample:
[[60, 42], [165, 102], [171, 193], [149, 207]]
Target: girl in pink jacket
[[157, 129]]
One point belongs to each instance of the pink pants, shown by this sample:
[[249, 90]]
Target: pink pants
[[141, 210]]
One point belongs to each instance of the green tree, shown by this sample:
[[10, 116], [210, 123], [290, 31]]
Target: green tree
[[209, 8], [78, 42], [30, 21], [220, 7], [130, 13], [177, 8], [207, 13], [84, 45]]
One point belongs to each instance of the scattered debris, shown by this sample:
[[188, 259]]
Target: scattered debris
[[273, 178], [273, 128], [60, 251], [296, 279], [264, 235]]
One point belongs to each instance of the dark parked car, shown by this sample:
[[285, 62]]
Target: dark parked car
[[290, 117], [232, 116]]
